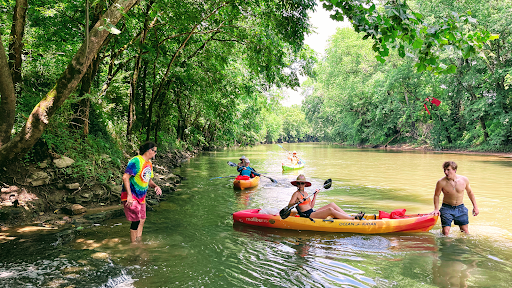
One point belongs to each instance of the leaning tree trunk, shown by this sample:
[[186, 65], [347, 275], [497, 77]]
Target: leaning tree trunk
[[67, 83], [7, 100], [16, 43]]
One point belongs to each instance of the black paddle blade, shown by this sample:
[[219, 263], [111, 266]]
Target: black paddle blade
[[231, 164], [328, 183], [285, 212]]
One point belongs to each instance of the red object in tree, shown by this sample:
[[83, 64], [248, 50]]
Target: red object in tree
[[426, 108], [435, 101]]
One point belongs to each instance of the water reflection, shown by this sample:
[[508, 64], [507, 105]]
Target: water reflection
[[244, 197], [334, 259], [453, 264]]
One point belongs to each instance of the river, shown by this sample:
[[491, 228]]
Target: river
[[190, 239]]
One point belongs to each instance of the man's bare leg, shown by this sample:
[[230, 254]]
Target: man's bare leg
[[464, 228], [133, 236], [139, 230], [446, 230]]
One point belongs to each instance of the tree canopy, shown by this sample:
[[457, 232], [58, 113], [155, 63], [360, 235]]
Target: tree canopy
[[205, 73]]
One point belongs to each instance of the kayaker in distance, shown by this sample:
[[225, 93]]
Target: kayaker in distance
[[305, 208], [242, 161], [452, 209], [293, 158], [246, 172]]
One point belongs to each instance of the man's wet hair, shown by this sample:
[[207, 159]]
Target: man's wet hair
[[146, 146], [449, 164]]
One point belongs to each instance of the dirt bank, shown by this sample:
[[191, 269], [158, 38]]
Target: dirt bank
[[45, 195]]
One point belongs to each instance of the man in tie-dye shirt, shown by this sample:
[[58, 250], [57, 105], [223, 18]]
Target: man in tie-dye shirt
[[136, 180]]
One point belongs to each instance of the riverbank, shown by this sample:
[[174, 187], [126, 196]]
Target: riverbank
[[426, 148], [45, 195]]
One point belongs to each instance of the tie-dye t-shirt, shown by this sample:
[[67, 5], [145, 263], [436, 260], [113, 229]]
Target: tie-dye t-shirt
[[141, 172]]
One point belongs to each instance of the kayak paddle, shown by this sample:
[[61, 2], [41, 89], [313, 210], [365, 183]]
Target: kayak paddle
[[285, 212], [234, 165]]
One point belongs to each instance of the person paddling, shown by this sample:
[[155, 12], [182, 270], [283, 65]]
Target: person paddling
[[294, 158], [242, 161], [305, 209], [246, 172]]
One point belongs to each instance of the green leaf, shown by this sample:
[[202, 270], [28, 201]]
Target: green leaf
[[494, 37], [417, 44], [451, 69], [420, 67]]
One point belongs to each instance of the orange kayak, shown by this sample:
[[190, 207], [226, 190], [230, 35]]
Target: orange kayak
[[242, 184], [410, 223]]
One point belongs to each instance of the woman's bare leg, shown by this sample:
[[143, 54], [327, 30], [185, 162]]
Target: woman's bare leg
[[328, 211], [335, 208]]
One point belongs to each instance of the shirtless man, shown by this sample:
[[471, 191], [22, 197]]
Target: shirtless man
[[453, 186]]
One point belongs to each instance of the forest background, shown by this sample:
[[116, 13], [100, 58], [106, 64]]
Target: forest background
[[206, 75]]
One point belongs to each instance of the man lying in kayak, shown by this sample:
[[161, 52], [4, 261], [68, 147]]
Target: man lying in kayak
[[305, 208], [246, 172]]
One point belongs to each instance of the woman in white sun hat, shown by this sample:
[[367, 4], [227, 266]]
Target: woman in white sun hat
[[305, 208]]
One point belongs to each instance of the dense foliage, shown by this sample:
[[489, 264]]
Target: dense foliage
[[207, 74], [181, 73], [359, 100]]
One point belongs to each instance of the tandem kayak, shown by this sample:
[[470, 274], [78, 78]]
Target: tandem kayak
[[410, 223], [288, 167], [242, 184]]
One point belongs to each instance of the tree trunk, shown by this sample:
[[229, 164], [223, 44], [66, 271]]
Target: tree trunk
[[16, 43], [484, 127], [136, 70], [144, 91], [7, 100], [66, 84], [81, 119], [131, 92]]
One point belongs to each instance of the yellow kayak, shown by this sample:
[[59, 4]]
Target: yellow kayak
[[410, 223], [242, 184]]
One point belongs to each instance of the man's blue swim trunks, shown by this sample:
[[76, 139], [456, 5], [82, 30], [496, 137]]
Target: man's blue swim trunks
[[457, 214]]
